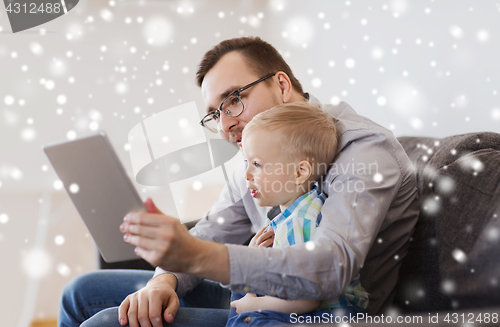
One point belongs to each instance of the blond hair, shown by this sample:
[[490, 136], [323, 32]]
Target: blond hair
[[304, 130]]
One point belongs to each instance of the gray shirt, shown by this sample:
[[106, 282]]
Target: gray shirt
[[368, 219]]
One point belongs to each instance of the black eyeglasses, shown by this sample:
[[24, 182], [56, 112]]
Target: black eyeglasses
[[232, 106]]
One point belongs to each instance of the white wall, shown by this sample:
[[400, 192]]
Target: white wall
[[44, 244], [420, 68]]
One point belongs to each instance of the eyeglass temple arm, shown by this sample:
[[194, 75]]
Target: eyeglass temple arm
[[252, 84]]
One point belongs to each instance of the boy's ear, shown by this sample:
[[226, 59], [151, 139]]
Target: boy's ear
[[304, 171]]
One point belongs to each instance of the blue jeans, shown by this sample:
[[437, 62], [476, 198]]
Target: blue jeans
[[92, 300], [271, 318]]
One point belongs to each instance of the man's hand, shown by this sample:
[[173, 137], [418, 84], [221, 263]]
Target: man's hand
[[250, 302], [145, 307], [155, 236], [263, 239], [163, 241]]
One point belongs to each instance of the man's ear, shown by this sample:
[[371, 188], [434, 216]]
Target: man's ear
[[285, 86], [303, 172]]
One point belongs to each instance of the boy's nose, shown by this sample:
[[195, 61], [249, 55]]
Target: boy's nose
[[247, 175]]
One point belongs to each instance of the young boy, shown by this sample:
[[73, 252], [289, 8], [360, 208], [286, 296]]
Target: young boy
[[288, 149]]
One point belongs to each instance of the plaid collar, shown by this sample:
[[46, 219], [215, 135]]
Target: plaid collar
[[304, 200]]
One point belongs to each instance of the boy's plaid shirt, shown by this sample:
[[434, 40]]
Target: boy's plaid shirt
[[298, 222], [296, 225]]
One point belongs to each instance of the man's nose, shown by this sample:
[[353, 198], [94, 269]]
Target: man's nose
[[227, 123]]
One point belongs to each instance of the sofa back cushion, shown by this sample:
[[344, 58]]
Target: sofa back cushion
[[454, 257]]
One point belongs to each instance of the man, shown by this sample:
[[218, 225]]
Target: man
[[368, 217]]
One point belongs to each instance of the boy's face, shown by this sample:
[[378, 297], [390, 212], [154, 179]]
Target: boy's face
[[230, 73], [270, 177]]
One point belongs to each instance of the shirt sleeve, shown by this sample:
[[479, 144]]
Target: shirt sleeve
[[185, 282], [361, 184]]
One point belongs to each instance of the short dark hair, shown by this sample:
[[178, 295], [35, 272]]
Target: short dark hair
[[260, 56]]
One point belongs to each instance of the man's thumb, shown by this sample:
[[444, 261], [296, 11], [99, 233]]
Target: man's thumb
[[168, 317], [171, 310], [151, 207]]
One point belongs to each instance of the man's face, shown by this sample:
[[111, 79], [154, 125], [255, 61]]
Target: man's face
[[229, 74]]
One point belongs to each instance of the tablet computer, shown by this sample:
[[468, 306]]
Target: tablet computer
[[100, 189]]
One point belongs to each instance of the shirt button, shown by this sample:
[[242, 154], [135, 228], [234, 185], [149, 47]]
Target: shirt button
[[247, 319]]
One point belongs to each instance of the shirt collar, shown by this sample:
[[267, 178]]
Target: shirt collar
[[311, 98], [300, 202]]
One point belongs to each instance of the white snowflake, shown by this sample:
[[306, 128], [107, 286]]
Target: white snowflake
[[316, 82], [298, 31], [277, 5], [61, 99], [158, 31], [459, 255], [106, 14], [381, 101], [448, 286], [37, 263], [36, 49], [431, 206], [335, 100], [49, 85], [495, 113], [483, 36], [74, 188], [377, 178], [472, 163], [58, 185], [28, 134], [197, 185], [4, 218], [445, 185], [350, 63], [63, 270], [377, 53], [416, 123], [493, 234], [16, 174], [310, 246], [9, 100], [121, 88], [456, 31], [71, 135], [59, 240]]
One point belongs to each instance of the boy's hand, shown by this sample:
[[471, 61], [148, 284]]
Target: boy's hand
[[263, 239], [246, 303]]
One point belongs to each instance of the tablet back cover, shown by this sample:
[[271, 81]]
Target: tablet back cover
[[100, 189]]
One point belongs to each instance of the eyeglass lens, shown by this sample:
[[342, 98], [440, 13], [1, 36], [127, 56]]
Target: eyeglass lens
[[233, 106]]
